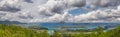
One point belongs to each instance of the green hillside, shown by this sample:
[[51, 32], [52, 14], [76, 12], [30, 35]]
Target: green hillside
[[17, 31]]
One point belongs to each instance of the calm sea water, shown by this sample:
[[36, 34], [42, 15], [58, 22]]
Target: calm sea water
[[51, 26]]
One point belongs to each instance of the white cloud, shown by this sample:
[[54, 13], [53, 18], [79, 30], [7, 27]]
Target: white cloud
[[102, 3], [106, 15], [59, 6], [57, 10]]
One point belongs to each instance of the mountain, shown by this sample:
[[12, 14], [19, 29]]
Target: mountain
[[10, 22]]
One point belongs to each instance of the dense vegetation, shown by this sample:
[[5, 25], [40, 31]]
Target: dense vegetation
[[17, 31]]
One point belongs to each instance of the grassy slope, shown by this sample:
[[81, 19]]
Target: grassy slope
[[17, 31]]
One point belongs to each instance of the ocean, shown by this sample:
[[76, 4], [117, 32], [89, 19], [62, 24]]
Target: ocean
[[53, 26]]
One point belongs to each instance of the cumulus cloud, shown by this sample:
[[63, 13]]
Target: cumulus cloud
[[58, 10], [9, 5], [12, 5], [101, 15], [106, 15], [59, 6], [66, 17], [102, 3], [11, 9]]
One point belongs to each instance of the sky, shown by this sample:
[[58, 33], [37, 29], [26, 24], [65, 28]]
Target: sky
[[76, 11]]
